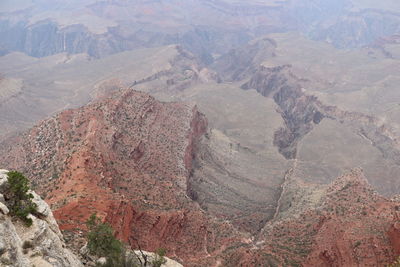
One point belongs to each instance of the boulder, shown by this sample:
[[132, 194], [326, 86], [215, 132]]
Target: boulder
[[4, 209], [151, 256], [101, 261], [2, 199], [3, 180], [43, 208]]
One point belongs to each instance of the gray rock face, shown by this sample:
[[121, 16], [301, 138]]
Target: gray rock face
[[151, 257], [4, 209], [3, 179], [46, 38], [38, 245], [42, 207], [337, 22]]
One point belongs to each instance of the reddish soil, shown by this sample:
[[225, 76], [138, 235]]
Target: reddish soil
[[353, 226], [127, 157]]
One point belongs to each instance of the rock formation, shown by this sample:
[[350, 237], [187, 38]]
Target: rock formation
[[107, 27], [253, 185], [40, 244], [127, 157], [351, 226]]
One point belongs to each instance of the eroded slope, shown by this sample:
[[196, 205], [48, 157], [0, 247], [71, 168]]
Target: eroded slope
[[126, 157]]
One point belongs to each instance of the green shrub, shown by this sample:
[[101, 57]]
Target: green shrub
[[122, 261], [159, 258], [101, 240], [102, 243], [18, 199]]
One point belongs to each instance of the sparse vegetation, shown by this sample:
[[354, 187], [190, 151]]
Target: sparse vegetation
[[159, 258], [27, 245], [18, 198], [396, 263], [5, 262], [357, 244]]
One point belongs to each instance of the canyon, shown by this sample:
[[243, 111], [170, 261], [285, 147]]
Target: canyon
[[100, 28], [129, 175], [230, 133]]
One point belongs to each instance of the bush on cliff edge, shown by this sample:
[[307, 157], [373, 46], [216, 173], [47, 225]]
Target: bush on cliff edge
[[19, 199], [102, 243]]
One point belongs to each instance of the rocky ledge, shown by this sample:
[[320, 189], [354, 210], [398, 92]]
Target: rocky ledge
[[40, 244]]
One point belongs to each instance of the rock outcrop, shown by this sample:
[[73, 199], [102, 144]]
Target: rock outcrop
[[127, 157], [299, 110], [151, 256], [40, 244], [239, 63], [48, 28], [351, 226], [304, 113]]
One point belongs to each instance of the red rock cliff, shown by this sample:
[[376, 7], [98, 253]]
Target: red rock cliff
[[126, 157]]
